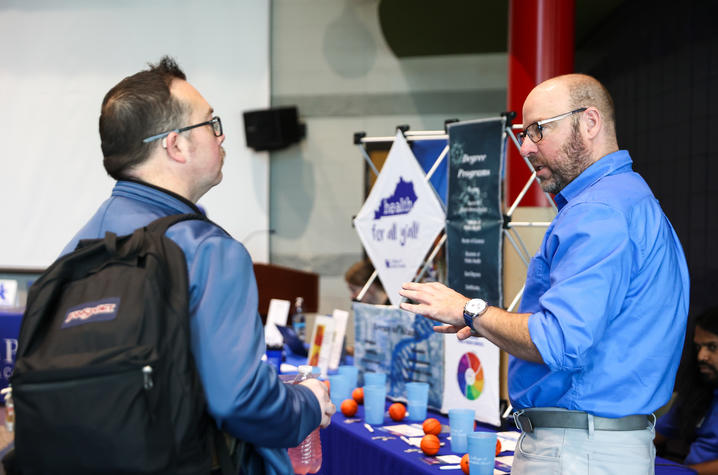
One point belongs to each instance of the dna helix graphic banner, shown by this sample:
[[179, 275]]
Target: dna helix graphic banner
[[400, 344]]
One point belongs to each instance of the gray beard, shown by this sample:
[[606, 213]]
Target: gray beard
[[577, 160]]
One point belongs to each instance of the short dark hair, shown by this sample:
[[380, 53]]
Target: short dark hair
[[139, 106], [708, 320]]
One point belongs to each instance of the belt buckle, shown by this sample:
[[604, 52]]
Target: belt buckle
[[523, 422]]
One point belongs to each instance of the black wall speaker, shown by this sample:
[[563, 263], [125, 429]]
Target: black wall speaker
[[272, 129]]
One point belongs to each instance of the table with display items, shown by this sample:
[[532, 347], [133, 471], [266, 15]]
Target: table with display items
[[350, 448]]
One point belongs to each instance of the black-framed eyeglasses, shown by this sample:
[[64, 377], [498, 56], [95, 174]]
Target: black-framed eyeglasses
[[215, 122], [534, 131]]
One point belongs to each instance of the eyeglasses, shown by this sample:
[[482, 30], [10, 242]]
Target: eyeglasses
[[215, 122], [534, 131]]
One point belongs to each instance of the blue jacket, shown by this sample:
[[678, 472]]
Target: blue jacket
[[244, 394]]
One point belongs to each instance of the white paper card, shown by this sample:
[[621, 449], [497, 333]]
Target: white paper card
[[471, 377], [449, 458], [278, 312], [508, 440], [272, 335], [340, 328], [415, 441], [406, 429], [320, 345]]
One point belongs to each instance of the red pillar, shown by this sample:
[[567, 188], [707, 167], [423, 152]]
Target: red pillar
[[541, 46]]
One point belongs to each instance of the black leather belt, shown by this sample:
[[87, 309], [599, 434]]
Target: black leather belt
[[527, 420]]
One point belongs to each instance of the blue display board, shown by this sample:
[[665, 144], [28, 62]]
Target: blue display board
[[426, 152], [400, 344], [9, 330]]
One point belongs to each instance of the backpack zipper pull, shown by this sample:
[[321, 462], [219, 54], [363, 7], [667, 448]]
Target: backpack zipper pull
[[147, 375]]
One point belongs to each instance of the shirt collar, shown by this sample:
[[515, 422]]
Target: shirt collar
[[613, 163], [170, 198]]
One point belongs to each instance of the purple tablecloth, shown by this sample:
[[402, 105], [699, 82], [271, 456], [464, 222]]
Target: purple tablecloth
[[349, 448]]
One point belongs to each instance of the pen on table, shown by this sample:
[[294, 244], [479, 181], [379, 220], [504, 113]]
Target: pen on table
[[450, 467], [368, 427]]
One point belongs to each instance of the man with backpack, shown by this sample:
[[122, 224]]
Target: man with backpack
[[163, 145]]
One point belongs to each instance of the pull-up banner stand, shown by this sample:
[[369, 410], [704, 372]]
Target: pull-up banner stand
[[474, 219], [400, 219], [474, 223]]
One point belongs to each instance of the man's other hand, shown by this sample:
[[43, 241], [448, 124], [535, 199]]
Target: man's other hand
[[438, 302]]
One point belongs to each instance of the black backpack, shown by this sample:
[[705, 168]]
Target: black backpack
[[104, 379]]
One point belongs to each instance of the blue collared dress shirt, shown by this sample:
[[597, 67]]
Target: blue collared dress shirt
[[608, 296]]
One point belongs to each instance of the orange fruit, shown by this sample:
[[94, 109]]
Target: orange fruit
[[430, 444], [349, 407], [431, 426], [328, 383], [498, 446], [465, 464], [358, 395], [397, 411]]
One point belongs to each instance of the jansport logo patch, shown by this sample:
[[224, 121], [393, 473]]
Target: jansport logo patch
[[98, 311]]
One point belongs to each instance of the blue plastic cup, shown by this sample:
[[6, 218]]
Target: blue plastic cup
[[339, 389], [461, 424], [374, 403], [459, 441], [482, 451], [417, 397], [351, 372], [374, 379]]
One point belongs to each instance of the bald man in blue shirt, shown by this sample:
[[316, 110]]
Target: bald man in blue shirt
[[598, 337]]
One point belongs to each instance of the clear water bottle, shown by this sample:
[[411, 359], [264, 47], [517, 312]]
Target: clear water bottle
[[307, 456], [298, 319], [9, 409]]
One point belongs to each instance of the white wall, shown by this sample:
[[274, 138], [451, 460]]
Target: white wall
[[57, 61], [330, 59]]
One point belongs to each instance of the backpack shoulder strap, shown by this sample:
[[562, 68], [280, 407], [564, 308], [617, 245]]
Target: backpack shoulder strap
[[160, 225]]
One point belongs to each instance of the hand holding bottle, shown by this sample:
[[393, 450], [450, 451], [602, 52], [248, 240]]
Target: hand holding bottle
[[322, 394]]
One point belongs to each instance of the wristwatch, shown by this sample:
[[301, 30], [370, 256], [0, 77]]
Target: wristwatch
[[474, 308]]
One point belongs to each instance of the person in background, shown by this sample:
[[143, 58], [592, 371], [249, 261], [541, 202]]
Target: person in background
[[598, 336], [693, 417], [357, 276], [163, 144]]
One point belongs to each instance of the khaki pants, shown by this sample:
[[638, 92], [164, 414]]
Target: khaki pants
[[578, 452]]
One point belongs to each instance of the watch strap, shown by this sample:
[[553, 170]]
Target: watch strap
[[469, 320]]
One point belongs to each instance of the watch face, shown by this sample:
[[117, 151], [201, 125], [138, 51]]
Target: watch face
[[475, 306]]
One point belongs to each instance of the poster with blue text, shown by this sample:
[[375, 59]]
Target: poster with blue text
[[400, 219]]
